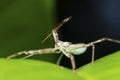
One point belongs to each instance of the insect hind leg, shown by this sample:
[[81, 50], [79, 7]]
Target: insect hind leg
[[104, 39], [92, 44]]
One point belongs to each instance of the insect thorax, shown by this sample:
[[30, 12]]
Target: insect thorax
[[62, 44]]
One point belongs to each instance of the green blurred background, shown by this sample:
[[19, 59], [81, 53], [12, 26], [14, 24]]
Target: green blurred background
[[24, 24]]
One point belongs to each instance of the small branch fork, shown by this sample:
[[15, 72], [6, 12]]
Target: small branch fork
[[61, 46]]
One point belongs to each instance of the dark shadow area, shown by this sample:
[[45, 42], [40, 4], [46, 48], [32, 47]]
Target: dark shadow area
[[91, 20]]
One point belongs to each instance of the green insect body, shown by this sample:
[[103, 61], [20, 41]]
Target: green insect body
[[76, 49]]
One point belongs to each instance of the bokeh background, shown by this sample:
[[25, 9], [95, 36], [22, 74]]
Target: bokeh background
[[25, 23], [92, 20]]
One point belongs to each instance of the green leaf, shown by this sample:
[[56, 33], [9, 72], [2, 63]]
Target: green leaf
[[34, 70], [106, 68]]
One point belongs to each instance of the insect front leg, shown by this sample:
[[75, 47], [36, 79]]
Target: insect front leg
[[54, 31], [34, 52], [17, 54], [57, 28]]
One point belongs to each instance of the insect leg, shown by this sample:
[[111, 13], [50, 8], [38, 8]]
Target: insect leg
[[54, 31], [16, 54], [34, 52], [72, 61], [27, 56], [59, 59], [104, 39], [55, 35], [57, 27], [70, 56], [93, 53], [99, 41]]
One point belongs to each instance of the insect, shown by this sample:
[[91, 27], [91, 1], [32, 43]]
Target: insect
[[64, 47]]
